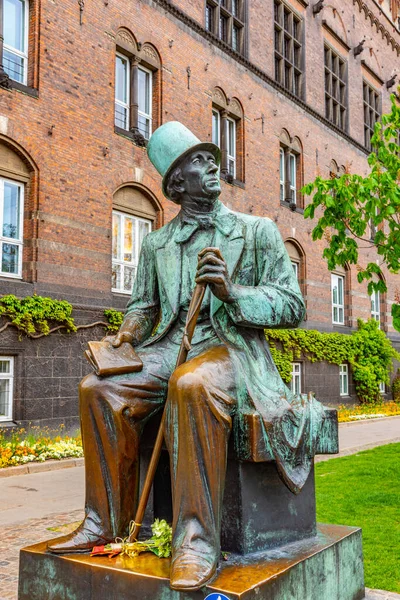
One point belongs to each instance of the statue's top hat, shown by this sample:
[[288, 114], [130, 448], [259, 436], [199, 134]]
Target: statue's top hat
[[172, 142]]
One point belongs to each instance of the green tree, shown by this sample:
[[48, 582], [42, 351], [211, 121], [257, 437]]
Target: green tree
[[351, 204]]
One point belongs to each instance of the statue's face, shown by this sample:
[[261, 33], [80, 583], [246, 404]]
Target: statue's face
[[200, 175]]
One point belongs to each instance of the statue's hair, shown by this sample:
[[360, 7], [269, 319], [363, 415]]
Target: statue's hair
[[173, 185]]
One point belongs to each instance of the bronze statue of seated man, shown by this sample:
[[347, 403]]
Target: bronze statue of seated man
[[251, 285]]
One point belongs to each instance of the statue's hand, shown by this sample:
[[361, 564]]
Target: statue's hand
[[122, 336], [126, 332], [212, 269]]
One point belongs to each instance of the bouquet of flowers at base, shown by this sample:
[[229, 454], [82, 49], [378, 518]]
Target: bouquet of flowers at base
[[159, 543]]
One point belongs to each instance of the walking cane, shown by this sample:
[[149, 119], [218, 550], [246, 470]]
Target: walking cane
[[191, 320]]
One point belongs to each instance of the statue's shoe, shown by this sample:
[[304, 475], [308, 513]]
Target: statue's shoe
[[189, 572], [80, 540]]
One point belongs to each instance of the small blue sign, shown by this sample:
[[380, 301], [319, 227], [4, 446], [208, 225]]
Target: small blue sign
[[216, 596]]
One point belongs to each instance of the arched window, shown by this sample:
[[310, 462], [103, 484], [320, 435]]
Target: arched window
[[290, 171], [297, 258], [15, 176], [137, 87], [135, 214], [227, 133]]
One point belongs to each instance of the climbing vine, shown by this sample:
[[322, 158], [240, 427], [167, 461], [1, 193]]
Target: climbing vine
[[38, 316], [367, 350]]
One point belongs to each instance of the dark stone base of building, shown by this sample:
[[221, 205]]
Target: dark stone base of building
[[328, 565]]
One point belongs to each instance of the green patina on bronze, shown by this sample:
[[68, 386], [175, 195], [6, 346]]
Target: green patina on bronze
[[228, 384]]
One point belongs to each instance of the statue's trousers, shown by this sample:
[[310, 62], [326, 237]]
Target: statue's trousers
[[201, 402]]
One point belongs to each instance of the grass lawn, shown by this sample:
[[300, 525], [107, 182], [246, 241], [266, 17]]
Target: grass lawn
[[364, 490]]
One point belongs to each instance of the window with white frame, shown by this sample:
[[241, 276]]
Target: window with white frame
[[376, 306], [282, 178], [216, 125], [344, 380], [337, 286], [216, 136], [295, 383], [128, 234], [292, 176], [231, 135], [15, 48], [11, 227], [295, 266], [382, 387], [6, 387], [123, 91], [145, 83]]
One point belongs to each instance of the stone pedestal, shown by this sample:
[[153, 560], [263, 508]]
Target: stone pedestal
[[327, 566]]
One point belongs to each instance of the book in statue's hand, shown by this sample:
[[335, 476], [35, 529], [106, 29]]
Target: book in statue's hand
[[107, 360]]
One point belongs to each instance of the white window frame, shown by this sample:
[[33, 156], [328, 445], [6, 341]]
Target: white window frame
[[148, 115], [382, 387], [344, 380], [292, 184], [14, 241], [123, 263], [296, 378], [281, 174], [231, 156], [337, 305], [295, 266], [375, 298], [18, 53], [124, 105], [216, 133], [10, 376]]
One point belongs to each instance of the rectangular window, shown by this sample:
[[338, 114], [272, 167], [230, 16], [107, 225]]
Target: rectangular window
[[292, 176], [337, 284], [122, 80], [295, 384], [231, 133], [11, 228], [127, 238], [344, 380], [288, 48], [145, 104], [376, 306], [372, 112], [335, 88], [216, 137], [15, 49], [382, 387], [6, 387], [295, 266], [225, 20], [282, 174]]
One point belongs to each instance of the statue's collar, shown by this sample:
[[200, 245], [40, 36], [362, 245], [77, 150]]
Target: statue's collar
[[220, 217]]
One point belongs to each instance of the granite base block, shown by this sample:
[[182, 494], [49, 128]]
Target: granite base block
[[328, 566]]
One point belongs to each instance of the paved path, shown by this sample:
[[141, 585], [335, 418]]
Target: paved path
[[33, 503]]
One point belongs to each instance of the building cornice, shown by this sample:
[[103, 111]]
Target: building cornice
[[374, 20], [195, 26]]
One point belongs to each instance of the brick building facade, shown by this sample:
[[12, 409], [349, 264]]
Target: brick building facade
[[289, 89]]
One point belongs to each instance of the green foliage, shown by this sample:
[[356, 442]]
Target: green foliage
[[396, 387], [362, 491], [114, 318], [351, 203], [36, 314], [367, 350]]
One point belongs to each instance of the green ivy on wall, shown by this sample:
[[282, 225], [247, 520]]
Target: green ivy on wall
[[367, 350]]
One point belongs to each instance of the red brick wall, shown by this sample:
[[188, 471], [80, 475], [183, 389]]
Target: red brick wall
[[73, 192]]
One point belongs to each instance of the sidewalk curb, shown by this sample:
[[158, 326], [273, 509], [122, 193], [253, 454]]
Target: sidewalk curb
[[380, 595], [355, 450], [363, 421], [40, 467]]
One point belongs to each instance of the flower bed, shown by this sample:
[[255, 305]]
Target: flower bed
[[363, 411], [38, 444]]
